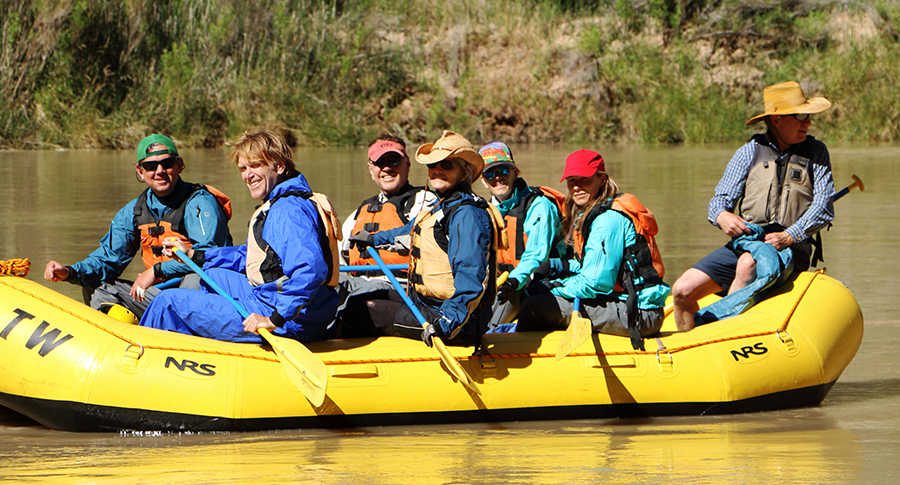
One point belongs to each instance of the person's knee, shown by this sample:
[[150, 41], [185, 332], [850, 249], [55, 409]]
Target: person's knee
[[746, 266], [685, 287]]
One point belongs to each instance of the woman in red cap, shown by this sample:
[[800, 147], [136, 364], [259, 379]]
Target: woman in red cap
[[614, 266]]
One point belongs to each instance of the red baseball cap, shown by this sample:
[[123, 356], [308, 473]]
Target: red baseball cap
[[377, 150], [583, 163]]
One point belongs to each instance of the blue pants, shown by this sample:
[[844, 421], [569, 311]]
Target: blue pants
[[206, 314]]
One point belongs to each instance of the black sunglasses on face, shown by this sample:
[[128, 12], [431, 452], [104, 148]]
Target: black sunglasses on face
[[800, 116], [387, 162], [167, 163], [494, 172], [446, 165]]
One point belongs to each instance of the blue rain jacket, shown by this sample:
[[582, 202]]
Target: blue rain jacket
[[604, 251], [292, 229], [773, 268], [204, 220], [469, 245]]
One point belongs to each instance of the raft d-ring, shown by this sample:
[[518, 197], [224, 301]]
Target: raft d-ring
[[489, 369], [787, 337], [787, 340], [140, 354], [667, 353]]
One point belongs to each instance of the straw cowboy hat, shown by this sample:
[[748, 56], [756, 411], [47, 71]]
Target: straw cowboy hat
[[788, 99], [451, 145]]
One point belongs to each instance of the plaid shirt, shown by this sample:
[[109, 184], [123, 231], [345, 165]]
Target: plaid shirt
[[820, 212]]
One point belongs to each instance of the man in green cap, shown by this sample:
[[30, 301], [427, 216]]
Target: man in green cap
[[169, 207]]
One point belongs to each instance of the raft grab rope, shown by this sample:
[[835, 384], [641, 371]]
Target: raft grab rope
[[15, 267]]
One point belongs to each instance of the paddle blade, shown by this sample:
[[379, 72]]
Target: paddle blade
[[577, 333], [453, 366], [303, 368]]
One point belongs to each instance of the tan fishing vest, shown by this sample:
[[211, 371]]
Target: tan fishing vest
[[765, 201]]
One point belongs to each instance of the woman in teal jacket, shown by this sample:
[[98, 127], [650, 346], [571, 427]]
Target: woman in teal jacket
[[614, 267], [532, 228]]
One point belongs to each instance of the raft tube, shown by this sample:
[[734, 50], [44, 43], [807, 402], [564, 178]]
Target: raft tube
[[73, 368]]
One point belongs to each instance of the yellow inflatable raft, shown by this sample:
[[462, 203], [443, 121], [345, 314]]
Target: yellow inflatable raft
[[73, 368]]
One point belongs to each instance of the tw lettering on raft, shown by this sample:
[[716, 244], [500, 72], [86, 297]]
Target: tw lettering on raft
[[49, 340]]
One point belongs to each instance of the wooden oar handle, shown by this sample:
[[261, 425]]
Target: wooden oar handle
[[846, 190]]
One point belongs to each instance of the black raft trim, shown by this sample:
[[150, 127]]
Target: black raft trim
[[74, 416]]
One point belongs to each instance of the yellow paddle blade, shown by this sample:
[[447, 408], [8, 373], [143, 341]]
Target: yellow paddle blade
[[577, 333], [303, 368], [502, 278], [453, 365]]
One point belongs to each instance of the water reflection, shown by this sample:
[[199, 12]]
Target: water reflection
[[779, 448]]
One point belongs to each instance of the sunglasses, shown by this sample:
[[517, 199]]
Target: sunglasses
[[495, 172], [166, 163], [446, 165], [387, 161], [800, 116]]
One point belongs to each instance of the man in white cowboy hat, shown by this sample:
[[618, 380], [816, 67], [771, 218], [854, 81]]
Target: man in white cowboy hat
[[453, 256], [779, 183]]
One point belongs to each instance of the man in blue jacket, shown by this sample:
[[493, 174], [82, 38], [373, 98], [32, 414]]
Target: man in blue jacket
[[169, 207], [284, 276]]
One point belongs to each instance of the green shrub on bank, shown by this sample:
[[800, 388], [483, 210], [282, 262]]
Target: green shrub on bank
[[103, 73]]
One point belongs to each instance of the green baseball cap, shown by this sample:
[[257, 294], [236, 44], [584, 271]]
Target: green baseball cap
[[155, 139]]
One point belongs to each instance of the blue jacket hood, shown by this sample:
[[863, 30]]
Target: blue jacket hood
[[292, 184]]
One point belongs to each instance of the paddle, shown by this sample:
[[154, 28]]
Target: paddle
[[373, 267], [449, 361], [577, 333], [305, 370], [846, 190]]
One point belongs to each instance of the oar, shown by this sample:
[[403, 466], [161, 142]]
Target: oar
[[502, 278], [373, 267], [172, 283], [305, 370], [577, 333], [846, 190], [449, 361]]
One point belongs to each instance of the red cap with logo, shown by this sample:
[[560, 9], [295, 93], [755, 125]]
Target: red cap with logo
[[583, 163]]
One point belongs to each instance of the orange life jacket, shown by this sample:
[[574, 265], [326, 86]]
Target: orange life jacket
[[509, 258], [374, 215], [154, 231]]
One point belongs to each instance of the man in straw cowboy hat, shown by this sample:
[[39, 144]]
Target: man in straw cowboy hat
[[781, 183], [453, 256]]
